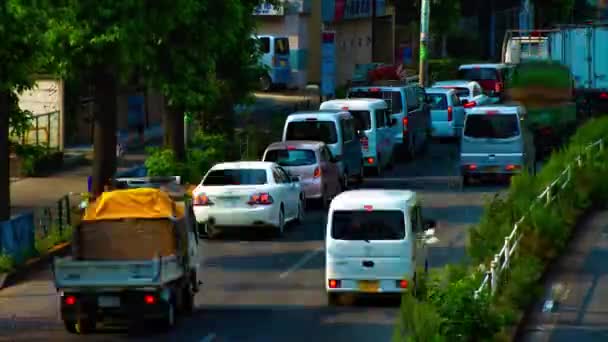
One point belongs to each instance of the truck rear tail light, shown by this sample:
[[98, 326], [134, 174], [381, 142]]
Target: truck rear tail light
[[370, 160], [317, 172], [150, 299], [470, 104], [334, 284], [201, 200], [261, 198], [402, 284], [69, 300], [450, 110]]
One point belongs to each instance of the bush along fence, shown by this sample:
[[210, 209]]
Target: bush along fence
[[529, 226], [35, 234]]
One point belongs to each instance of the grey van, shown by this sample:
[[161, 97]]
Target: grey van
[[410, 108], [495, 141]]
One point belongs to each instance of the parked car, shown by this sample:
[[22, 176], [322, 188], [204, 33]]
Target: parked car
[[469, 92], [376, 241], [336, 128], [253, 194], [447, 112], [275, 58], [491, 77], [408, 106], [313, 162], [374, 125], [495, 142]]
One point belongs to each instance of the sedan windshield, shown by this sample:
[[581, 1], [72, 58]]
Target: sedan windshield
[[236, 177], [368, 225], [500, 126], [291, 157]]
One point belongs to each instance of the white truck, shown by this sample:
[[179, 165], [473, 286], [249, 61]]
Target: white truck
[[130, 261], [582, 48]]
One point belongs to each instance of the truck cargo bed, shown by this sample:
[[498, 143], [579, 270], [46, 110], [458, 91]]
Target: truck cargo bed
[[69, 273]]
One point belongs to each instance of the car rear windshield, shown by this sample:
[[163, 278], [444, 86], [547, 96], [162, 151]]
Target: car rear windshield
[[362, 119], [281, 46], [368, 225], [393, 98], [438, 101], [478, 74], [500, 126], [291, 157], [236, 177], [324, 131]]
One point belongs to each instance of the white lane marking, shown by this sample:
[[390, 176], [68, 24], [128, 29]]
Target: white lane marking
[[301, 262], [208, 338]]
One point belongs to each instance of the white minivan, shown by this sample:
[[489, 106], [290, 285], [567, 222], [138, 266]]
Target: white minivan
[[376, 241], [374, 124], [336, 128]]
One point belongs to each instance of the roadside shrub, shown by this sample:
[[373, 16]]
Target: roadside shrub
[[545, 231], [7, 263], [54, 237]]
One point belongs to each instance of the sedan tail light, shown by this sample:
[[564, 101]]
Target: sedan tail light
[[201, 200], [317, 172], [333, 283], [69, 300], [450, 110], [470, 104], [261, 198]]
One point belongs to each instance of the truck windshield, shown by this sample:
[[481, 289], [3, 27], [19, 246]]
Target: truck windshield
[[236, 177], [291, 157], [368, 225], [324, 131], [499, 126]]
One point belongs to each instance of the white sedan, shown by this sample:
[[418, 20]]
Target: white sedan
[[469, 92], [248, 194]]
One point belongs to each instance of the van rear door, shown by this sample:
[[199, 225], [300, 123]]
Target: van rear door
[[369, 244]]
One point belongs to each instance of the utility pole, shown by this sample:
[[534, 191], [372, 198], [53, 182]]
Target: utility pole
[[373, 30], [425, 12]]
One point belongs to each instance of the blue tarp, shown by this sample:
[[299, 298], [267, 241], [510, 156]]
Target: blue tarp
[[17, 236]]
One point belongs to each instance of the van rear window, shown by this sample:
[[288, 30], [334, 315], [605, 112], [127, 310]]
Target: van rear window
[[291, 157], [281, 46], [362, 119], [438, 101], [393, 98], [368, 225], [491, 126], [478, 74], [324, 131]]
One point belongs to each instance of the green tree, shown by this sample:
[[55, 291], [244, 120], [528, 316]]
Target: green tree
[[445, 15], [23, 52], [551, 12]]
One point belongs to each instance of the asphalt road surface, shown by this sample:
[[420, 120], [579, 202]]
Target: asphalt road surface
[[262, 289]]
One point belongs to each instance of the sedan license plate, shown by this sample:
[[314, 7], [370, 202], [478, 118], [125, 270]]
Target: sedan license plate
[[369, 285], [230, 202], [108, 301], [492, 169]]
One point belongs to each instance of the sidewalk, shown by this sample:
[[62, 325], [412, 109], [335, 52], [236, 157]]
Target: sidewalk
[[578, 283]]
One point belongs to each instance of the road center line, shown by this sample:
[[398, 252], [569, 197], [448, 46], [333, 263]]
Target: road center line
[[306, 258], [208, 338]]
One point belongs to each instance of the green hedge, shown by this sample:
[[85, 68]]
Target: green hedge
[[448, 295]]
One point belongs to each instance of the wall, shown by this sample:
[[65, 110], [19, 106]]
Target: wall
[[353, 46]]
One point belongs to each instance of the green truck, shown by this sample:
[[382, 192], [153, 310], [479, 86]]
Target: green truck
[[545, 88]]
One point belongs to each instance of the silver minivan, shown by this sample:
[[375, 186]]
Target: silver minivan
[[496, 141]]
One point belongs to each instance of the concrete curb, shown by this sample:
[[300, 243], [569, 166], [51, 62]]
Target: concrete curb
[[9, 279]]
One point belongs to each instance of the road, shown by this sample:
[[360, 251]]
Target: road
[[578, 284], [260, 289]]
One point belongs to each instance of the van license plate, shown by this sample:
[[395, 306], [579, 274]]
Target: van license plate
[[108, 302], [369, 285]]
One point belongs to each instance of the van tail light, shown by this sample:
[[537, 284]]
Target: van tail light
[[472, 167], [334, 284], [402, 284], [317, 172], [405, 125], [512, 167], [450, 110], [263, 198], [149, 299], [69, 300], [201, 200], [498, 87], [470, 104], [365, 143]]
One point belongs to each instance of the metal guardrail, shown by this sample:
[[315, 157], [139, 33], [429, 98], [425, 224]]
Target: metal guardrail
[[502, 260], [64, 213]]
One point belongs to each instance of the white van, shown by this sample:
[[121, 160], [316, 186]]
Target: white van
[[375, 242], [374, 124], [336, 128]]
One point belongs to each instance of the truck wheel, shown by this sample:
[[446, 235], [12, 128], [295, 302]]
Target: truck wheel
[[70, 326]]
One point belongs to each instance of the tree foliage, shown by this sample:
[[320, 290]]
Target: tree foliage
[[551, 12]]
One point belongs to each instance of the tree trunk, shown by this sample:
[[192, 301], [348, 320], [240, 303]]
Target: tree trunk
[[5, 190], [174, 132], [105, 124], [444, 45]]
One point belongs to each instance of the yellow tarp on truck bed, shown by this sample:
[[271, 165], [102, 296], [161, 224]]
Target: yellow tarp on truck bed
[[143, 203]]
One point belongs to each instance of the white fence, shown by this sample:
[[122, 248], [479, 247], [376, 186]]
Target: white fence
[[502, 259]]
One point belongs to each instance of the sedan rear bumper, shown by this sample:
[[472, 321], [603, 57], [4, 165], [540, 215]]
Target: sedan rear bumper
[[253, 216]]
